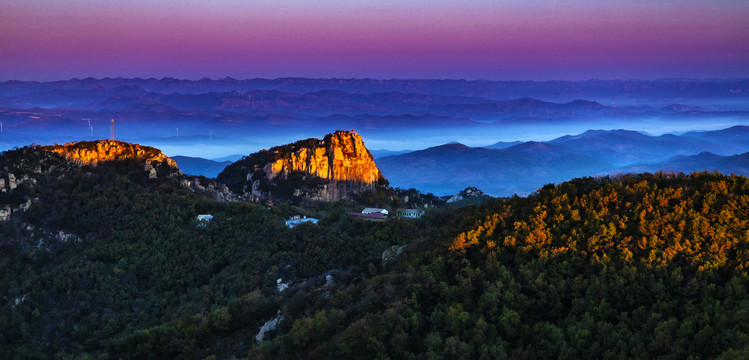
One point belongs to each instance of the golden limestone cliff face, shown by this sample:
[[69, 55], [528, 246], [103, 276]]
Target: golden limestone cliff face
[[338, 167], [94, 152], [340, 156]]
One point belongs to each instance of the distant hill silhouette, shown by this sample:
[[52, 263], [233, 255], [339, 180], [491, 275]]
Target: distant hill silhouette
[[524, 167], [280, 110]]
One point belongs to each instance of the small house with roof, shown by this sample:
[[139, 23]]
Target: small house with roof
[[371, 214], [374, 211]]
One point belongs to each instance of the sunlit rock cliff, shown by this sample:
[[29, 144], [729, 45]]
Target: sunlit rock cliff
[[339, 156], [94, 152], [334, 168], [25, 171]]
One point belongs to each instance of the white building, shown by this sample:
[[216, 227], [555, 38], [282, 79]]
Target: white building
[[374, 211]]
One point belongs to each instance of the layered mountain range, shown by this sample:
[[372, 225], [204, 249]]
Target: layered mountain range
[[391, 114], [504, 169], [340, 167], [556, 90], [209, 119]]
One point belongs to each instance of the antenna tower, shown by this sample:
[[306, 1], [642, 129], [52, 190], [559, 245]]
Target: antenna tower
[[112, 130]]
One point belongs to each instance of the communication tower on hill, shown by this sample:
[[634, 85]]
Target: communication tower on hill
[[112, 130]]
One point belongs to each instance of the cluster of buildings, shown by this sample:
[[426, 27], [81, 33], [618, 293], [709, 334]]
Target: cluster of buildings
[[378, 214], [369, 214]]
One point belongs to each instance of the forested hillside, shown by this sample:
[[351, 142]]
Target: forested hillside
[[106, 251], [108, 262], [642, 266]]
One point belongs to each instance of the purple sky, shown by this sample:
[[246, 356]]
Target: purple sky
[[485, 39]]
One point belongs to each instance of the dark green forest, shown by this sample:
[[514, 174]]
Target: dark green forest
[[141, 260], [636, 266], [639, 266]]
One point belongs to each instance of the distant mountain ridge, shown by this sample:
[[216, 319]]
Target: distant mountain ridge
[[513, 167], [282, 110], [557, 90], [523, 168], [224, 115], [705, 161]]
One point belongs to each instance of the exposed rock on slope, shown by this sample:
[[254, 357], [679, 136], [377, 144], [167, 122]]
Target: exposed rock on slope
[[93, 152], [339, 156], [468, 193], [24, 171], [334, 168]]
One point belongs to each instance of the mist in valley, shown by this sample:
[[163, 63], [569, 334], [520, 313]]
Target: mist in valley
[[404, 123]]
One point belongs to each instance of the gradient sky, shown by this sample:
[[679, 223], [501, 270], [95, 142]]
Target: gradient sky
[[485, 39]]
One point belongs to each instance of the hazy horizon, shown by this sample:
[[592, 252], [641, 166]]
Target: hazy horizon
[[556, 52], [218, 118]]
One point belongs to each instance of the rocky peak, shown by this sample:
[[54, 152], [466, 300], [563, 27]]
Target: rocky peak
[[467, 193], [340, 156], [94, 152], [333, 168]]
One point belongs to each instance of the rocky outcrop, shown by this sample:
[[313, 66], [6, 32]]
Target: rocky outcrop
[[207, 186], [468, 193], [24, 171], [94, 152], [5, 212], [331, 169], [392, 252], [340, 156]]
